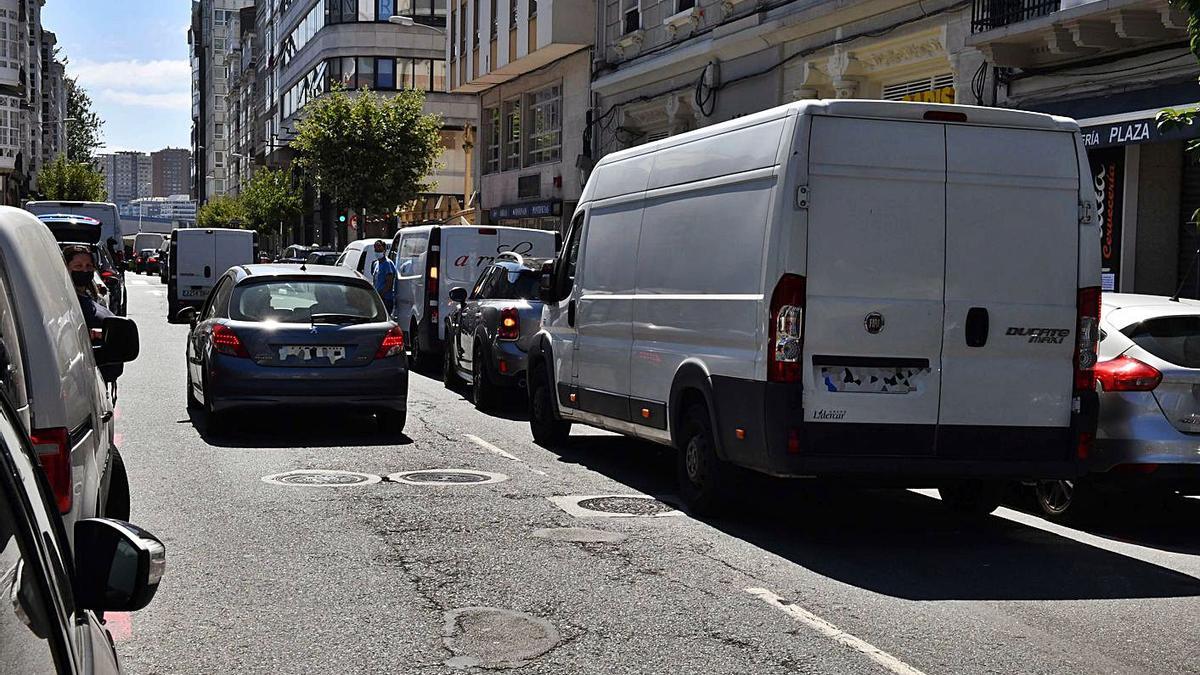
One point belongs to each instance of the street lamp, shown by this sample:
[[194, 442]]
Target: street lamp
[[408, 21]]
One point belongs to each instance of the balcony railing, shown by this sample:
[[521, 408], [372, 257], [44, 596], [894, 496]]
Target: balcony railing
[[989, 14]]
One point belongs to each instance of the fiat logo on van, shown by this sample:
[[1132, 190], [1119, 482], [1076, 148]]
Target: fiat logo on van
[[873, 322]]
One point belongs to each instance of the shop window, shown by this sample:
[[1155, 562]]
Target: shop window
[[491, 140], [544, 139], [512, 134]]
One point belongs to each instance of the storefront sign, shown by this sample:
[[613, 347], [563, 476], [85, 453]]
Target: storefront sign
[[939, 95], [1134, 132], [547, 209], [1108, 179]]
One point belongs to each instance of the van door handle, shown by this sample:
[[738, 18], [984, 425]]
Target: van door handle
[[977, 326], [207, 271], [571, 314]]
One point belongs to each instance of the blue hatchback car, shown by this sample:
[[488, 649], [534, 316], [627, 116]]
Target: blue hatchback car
[[282, 335]]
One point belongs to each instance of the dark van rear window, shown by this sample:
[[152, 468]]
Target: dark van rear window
[[1175, 339]]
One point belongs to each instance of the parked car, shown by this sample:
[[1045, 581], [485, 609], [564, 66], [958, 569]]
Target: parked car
[[198, 258], [489, 332], [460, 253], [279, 335], [721, 293], [147, 261], [111, 234], [1149, 412], [164, 259], [55, 598], [296, 254], [323, 258], [51, 373], [359, 255], [68, 228]]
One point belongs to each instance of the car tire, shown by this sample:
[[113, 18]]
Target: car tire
[[974, 498], [116, 502], [450, 378], [704, 480], [483, 392], [392, 421], [548, 430], [172, 310], [214, 421], [193, 403], [1065, 501]]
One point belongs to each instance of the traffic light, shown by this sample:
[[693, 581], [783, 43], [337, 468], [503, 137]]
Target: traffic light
[[342, 216]]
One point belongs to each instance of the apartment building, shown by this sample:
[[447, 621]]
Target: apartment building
[[529, 65], [128, 175], [170, 172], [243, 102]]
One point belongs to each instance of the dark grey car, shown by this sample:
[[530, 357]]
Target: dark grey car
[[280, 335], [488, 334]]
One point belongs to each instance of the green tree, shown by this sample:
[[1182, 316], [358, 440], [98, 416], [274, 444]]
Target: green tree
[[64, 179], [368, 151], [222, 211], [83, 125], [269, 199]]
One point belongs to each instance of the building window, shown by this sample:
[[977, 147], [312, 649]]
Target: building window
[[684, 5], [532, 8], [495, 19], [512, 134], [491, 140], [633, 16], [475, 36], [421, 78], [439, 76], [385, 74], [385, 9], [512, 14], [462, 29], [544, 138]]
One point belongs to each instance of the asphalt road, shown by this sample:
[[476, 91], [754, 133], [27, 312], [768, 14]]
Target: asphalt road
[[396, 577]]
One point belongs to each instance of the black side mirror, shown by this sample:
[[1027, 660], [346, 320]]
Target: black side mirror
[[458, 294], [546, 283], [187, 315], [117, 565], [121, 343]]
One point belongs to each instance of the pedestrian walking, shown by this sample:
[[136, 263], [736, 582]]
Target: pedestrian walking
[[383, 274]]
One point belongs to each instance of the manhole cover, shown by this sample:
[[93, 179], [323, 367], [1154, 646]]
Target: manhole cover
[[447, 477], [487, 637], [614, 506], [321, 478]]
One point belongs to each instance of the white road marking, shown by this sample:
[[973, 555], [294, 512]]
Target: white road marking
[[834, 633], [506, 455]]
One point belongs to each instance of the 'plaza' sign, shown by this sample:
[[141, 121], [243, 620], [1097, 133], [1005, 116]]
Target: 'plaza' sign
[[1132, 133]]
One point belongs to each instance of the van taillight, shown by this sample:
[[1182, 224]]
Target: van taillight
[[1126, 373], [786, 348], [510, 324], [54, 453], [1087, 326]]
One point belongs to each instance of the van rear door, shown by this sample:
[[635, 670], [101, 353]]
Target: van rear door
[[873, 317], [467, 251], [195, 273], [230, 249], [1012, 258]]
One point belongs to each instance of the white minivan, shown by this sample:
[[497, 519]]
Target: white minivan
[[896, 292], [198, 257], [105, 212], [459, 254]]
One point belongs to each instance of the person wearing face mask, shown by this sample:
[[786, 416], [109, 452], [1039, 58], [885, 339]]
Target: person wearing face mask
[[82, 267]]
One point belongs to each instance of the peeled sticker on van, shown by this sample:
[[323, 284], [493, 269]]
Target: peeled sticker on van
[[864, 380]]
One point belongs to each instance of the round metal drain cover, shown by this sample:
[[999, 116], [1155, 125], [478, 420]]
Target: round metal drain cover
[[630, 506], [447, 477], [321, 478]]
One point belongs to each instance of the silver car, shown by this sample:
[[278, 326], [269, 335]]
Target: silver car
[[488, 333], [281, 335], [1148, 379]]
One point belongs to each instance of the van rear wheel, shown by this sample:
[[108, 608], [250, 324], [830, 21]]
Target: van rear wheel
[[704, 479], [548, 430], [972, 497]]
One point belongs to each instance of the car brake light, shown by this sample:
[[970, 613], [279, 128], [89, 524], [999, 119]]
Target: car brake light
[[225, 341], [1087, 335], [392, 344], [54, 453], [786, 348], [107, 274], [1126, 373], [510, 324]]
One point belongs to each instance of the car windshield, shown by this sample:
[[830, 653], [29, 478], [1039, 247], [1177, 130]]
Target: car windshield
[[1175, 339], [301, 301], [521, 285]]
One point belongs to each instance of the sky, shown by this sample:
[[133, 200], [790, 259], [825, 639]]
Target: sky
[[131, 56]]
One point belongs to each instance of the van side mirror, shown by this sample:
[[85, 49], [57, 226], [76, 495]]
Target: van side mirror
[[117, 565], [546, 290], [187, 315], [458, 294], [120, 342]]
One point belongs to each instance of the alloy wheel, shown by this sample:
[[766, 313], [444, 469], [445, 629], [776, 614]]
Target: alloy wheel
[[1055, 496]]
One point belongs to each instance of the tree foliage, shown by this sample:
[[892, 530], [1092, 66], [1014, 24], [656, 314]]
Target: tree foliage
[[67, 180], [84, 125], [269, 198], [368, 151], [1171, 118], [222, 211]]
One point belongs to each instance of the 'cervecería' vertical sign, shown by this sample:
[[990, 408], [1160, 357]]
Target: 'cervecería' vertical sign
[[1108, 179]]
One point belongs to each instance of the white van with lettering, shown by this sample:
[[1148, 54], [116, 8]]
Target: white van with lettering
[[902, 293], [433, 259], [198, 257]]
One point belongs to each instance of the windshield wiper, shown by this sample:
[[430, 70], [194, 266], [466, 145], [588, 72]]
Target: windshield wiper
[[339, 318]]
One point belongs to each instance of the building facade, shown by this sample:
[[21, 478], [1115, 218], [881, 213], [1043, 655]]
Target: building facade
[[127, 175], [243, 103], [170, 172], [213, 38], [1112, 66], [176, 207], [310, 46], [529, 64], [54, 101]]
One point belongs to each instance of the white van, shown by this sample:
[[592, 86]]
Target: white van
[[460, 254], [48, 370], [906, 293], [145, 240], [106, 213], [198, 257], [360, 255]]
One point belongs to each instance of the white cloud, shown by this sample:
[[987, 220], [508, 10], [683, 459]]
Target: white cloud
[[169, 101], [134, 76]]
